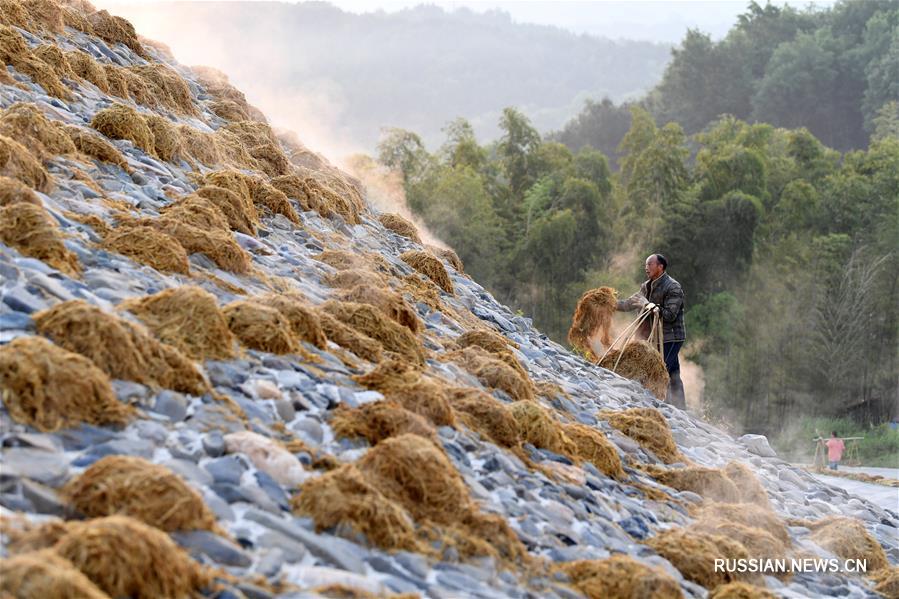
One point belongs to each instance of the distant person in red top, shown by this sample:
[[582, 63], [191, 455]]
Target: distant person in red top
[[835, 447]]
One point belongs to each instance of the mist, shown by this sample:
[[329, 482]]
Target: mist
[[338, 78]]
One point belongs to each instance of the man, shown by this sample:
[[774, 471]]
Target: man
[[835, 447], [660, 294]]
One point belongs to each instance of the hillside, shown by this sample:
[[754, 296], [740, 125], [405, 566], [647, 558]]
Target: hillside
[[343, 76], [223, 375]]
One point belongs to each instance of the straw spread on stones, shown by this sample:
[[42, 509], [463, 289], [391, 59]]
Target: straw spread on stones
[[187, 318], [48, 387], [430, 266], [135, 487], [647, 427], [122, 349]]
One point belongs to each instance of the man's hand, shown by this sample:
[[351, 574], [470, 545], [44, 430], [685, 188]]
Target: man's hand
[[651, 307]]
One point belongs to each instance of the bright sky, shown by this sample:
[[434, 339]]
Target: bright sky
[[655, 20]]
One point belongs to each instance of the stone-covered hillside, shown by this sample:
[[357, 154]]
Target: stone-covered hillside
[[223, 376]]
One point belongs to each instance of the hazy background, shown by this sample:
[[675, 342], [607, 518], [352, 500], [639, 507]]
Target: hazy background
[[338, 77]]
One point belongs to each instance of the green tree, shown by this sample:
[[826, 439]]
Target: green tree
[[403, 150], [517, 148], [461, 148], [653, 171]]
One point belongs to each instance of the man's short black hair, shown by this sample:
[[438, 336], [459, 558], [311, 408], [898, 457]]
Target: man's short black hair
[[662, 260], [834, 433]]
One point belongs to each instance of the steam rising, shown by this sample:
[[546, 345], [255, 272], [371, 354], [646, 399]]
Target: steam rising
[[313, 109]]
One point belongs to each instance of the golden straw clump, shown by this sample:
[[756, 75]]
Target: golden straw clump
[[537, 426], [694, 554], [400, 226], [493, 371], [647, 427], [592, 317], [592, 446], [126, 558], [389, 302], [187, 318], [379, 420], [123, 122], [44, 574], [430, 266], [116, 30], [13, 191], [620, 577], [372, 323], [303, 318], [260, 327], [148, 246], [18, 162], [135, 487], [29, 229], [122, 349], [345, 497], [485, 414], [49, 388], [641, 362], [711, 483]]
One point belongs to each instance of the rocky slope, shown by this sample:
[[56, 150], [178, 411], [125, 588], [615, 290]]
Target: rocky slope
[[223, 375]]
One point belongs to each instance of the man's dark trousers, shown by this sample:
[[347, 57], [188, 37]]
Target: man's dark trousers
[[672, 364]]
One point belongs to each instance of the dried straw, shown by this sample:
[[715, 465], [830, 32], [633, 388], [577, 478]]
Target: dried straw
[[50, 388], [135, 487], [120, 348], [126, 558], [647, 427], [430, 266], [187, 318], [620, 577], [29, 229], [593, 316], [400, 226]]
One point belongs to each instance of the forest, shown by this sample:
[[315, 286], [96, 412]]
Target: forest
[[785, 244], [831, 71]]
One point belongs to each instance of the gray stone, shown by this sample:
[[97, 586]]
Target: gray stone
[[133, 447], [19, 299], [414, 563], [151, 431], [190, 471], [787, 475], [171, 405], [310, 429], [291, 550], [15, 502], [251, 591], [364, 397], [213, 546], [43, 498], [214, 444], [226, 469], [36, 440], [219, 506], [16, 320], [271, 563], [129, 391], [758, 444], [285, 410], [334, 550], [49, 468]]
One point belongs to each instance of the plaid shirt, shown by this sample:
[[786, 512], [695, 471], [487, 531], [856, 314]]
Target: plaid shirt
[[668, 295]]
